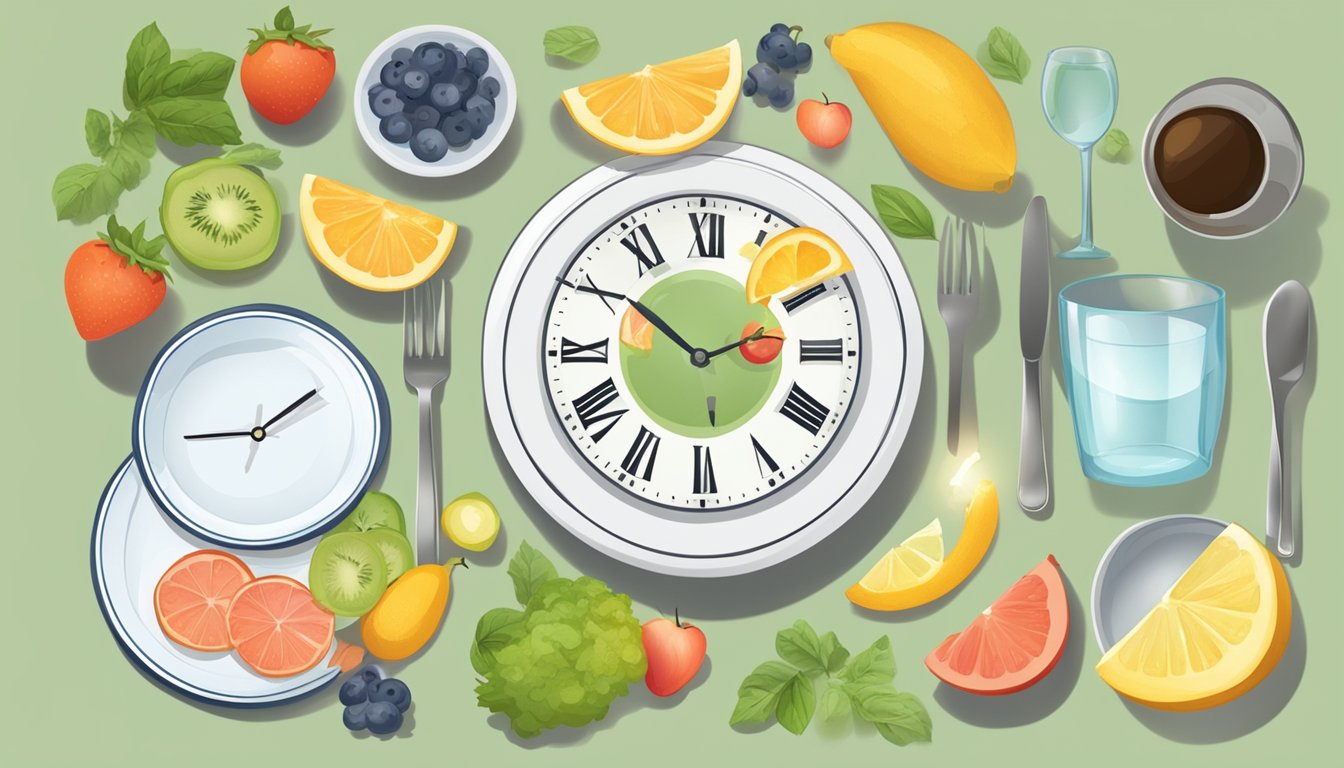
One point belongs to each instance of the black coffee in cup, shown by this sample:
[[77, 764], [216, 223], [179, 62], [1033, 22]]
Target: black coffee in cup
[[1210, 160]]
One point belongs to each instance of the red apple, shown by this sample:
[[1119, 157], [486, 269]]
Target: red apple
[[675, 652], [825, 125]]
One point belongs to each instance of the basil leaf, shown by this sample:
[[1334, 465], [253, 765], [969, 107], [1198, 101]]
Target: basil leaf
[[833, 652], [194, 121], [1114, 146], [496, 629], [83, 192], [1006, 58], [86, 191], [135, 133], [903, 213], [875, 665], [834, 704], [800, 646], [529, 569], [797, 702], [899, 717], [575, 43], [204, 75], [146, 57], [97, 132], [759, 693], [253, 154]]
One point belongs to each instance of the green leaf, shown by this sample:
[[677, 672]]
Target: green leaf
[[203, 76], [135, 133], [903, 213], [146, 57], [1006, 59], [797, 702], [800, 646], [759, 693], [194, 121], [833, 652], [873, 666], [97, 132], [284, 20], [83, 192], [834, 704], [574, 43], [86, 191], [529, 569], [1114, 146], [496, 629], [899, 717], [253, 154]]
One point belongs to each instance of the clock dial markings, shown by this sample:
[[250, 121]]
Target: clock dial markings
[[794, 303], [578, 352], [590, 409], [704, 482], [804, 410], [709, 234], [643, 247], [821, 351], [643, 452]]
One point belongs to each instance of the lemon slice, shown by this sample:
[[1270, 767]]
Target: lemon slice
[[663, 108], [369, 241], [793, 261], [910, 564], [1214, 635]]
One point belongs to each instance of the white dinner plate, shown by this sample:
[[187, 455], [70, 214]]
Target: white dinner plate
[[232, 372], [134, 542]]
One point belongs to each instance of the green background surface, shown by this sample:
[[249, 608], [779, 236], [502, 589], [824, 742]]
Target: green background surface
[[70, 697]]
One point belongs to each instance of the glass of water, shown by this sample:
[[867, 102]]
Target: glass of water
[[1144, 367], [1079, 92]]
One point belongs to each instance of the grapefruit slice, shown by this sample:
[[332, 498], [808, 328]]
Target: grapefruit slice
[[1014, 643], [193, 596], [277, 628]]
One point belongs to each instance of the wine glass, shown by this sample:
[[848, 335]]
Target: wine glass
[[1079, 92]]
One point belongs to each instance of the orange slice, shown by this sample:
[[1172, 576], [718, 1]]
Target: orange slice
[[663, 108], [793, 261], [369, 241], [277, 628], [916, 573], [193, 596], [636, 330]]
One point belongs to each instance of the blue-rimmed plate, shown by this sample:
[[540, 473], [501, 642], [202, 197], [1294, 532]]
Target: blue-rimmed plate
[[134, 542], [259, 427]]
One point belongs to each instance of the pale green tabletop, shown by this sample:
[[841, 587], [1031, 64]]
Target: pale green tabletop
[[69, 696]]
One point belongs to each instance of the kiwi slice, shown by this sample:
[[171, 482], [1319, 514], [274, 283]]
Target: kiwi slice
[[347, 574], [376, 510], [220, 215], [394, 548]]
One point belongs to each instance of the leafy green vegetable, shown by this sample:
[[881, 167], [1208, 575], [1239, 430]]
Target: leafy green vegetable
[[131, 244], [1005, 58], [578, 44], [1114, 146], [903, 213], [86, 191], [573, 649], [862, 687]]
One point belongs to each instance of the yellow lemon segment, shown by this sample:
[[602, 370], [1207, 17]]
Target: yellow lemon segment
[[663, 108], [369, 241], [793, 261], [914, 562], [1215, 634]]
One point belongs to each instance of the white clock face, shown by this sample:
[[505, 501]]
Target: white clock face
[[732, 429]]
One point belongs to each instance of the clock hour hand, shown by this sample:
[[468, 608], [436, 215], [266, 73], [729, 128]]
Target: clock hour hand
[[661, 324], [213, 435], [756, 335], [290, 408]]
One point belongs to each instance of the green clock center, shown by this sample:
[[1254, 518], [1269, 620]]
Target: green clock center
[[709, 310]]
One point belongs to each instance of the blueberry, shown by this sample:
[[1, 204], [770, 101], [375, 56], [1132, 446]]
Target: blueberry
[[402, 55], [478, 61], [374, 91], [356, 716], [445, 97], [480, 102], [387, 102], [354, 691], [424, 117], [459, 58], [429, 145], [457, 128], [476, 123], [391, 73], [391, 690], [466, 83], [777, 49], [781, 96], [488, 87], [760, 77], [782, 29], [449, 68], [802, 55], [396, 128], [370, 674], [429, 57], [414, 83], [383, 718]]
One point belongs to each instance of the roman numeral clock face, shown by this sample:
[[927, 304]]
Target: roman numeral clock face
[[642, 371]]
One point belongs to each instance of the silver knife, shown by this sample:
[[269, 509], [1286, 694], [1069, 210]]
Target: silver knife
[[1033, 479]]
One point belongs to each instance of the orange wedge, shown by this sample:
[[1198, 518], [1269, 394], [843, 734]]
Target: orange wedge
[[793, 261], [368, 241], [636, 330], [663, 108]]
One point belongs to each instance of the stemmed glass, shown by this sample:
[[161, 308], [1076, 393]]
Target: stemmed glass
[[1079, 92]]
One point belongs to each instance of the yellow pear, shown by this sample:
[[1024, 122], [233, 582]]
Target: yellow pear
[[409, 612]]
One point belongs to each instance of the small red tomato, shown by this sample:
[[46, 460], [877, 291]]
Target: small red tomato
[[675, 652], [765, 348], [287, 69], [825, 125]]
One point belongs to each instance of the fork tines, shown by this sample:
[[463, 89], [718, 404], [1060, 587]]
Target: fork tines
[[425, 320]]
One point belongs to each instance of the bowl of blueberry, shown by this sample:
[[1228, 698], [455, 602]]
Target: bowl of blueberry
[[435, 100]]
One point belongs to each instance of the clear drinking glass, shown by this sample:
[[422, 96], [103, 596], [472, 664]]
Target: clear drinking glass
[[1079, 92], [1144, 366]]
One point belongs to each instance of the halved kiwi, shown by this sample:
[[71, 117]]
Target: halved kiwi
[[376, 510], [347, 574], [394, 548], [220, 215]]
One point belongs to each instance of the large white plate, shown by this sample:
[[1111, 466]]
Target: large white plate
[[237, 369], [134, 542]]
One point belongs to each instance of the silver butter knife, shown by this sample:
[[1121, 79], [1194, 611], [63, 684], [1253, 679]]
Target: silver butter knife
[[1033, 479]]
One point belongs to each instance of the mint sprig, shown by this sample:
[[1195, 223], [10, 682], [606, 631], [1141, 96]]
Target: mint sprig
[[284, 31], [861, 686]]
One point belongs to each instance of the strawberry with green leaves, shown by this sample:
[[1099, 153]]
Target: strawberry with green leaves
[[287, 69], [116, 281]]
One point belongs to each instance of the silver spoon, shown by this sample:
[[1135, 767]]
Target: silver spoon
[[1286, 332]]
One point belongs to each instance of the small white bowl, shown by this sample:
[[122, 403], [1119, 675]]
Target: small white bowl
[[459, 159]]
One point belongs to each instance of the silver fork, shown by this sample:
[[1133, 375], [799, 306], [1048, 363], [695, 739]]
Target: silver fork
[[426, 365], [957, 300]]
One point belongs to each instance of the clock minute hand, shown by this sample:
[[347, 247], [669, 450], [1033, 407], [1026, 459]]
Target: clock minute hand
[[211, 435], [661, 324], [290, 408], [757, 336]]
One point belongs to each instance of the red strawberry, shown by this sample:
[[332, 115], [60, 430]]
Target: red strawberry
[[287, 70], [114, 283]]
